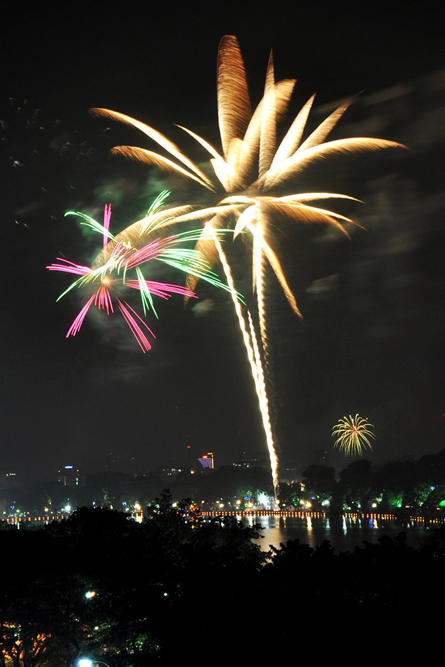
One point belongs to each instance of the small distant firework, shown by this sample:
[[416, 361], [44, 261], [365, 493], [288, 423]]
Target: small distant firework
[[111, 272], [352, 435]]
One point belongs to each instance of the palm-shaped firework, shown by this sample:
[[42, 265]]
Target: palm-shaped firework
[[352, 435], [250, 170], [252, 167], [111, 273]]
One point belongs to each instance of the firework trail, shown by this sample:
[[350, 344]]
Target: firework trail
[[252, 168], [253, 355], [352, 435], [110, 274], [259, 280], [264, 408]]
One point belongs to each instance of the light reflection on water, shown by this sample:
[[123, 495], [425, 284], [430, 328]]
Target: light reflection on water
[[344, 535]]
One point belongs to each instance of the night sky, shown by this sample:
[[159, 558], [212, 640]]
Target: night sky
[[371, 341]]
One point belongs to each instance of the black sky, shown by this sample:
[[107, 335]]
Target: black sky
[[372, 345]]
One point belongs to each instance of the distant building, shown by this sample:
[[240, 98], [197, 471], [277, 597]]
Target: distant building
[[8, 478], [169, 474], [71, 476], [251, 463], [206, 460]]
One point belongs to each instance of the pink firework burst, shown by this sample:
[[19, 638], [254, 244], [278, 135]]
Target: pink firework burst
[[110, 279]]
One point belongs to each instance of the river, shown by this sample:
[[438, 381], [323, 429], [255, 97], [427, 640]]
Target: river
[[343, 536]]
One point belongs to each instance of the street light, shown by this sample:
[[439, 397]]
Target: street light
[[86, 662]]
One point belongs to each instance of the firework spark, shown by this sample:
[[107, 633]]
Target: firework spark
[[352, 435], [110, 274], [252, 168]]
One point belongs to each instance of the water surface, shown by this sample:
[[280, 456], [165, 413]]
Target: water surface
[[343, 535]]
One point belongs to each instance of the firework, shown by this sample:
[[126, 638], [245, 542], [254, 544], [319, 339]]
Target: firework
[[252, 168], [253, 355], [352, 435], [111, 273]]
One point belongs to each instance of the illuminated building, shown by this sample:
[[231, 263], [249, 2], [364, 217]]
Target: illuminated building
[[206, 460], [71, 476]]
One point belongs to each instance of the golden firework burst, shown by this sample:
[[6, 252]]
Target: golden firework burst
[[352, 435]]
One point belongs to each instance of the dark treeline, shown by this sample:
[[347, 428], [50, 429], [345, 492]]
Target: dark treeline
[[404, 488], [177, 590], [119, 490]]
